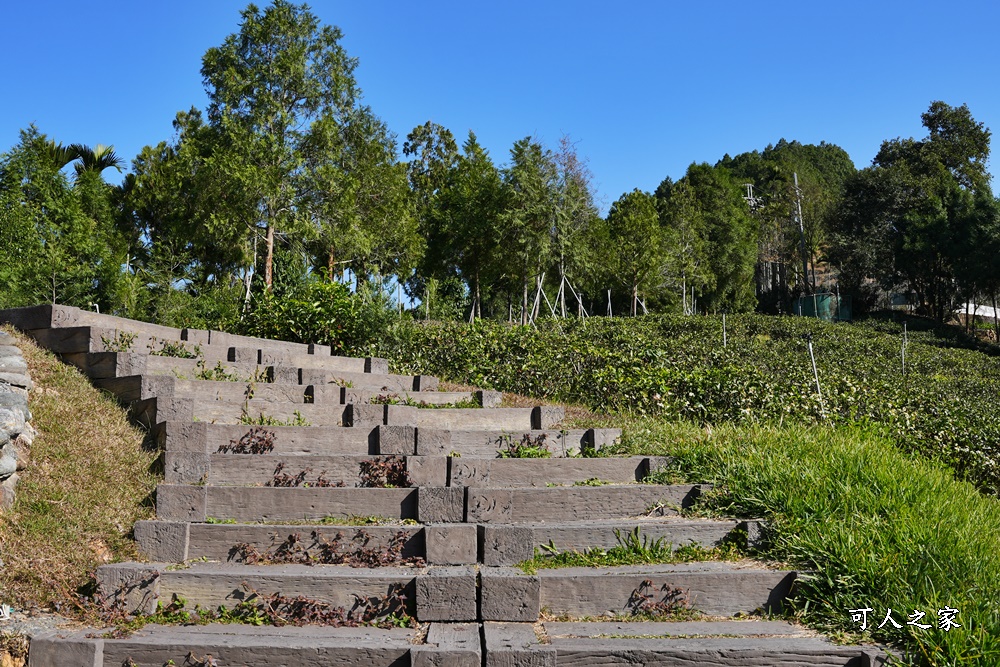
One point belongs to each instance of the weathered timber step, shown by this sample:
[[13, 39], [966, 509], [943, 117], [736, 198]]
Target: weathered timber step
[[178, 541], [486, 443], [451, 645], [204, 438], [327, 394], [682, 644], [436, 593], [185, 502], [151, 411], [577, 503], [273, 356], [549, 472], [84, 339], [104, 365], [140, 387], [716, 588], [354, 380], [227, 469], [509, 544], [261, 469]]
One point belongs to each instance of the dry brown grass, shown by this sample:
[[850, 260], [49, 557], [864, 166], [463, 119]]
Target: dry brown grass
[[87, 483]]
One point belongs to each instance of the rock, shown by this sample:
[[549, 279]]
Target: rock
[[13, 364], [8, 463], [16, 379], [11, 420]]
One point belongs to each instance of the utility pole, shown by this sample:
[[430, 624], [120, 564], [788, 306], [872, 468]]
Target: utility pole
[[802, 234]]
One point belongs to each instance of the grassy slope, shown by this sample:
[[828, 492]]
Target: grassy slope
[[85, 487]]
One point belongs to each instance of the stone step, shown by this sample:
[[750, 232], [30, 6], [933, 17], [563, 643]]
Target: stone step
[[432, 593], [177, 541], [715, 588], [273, 356], [680, 644], [185, 502], [577, 503], [509, 544]]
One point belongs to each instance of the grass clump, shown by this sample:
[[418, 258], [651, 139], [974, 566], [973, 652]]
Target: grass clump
[[87, 483], [633, 548], [876, 529]]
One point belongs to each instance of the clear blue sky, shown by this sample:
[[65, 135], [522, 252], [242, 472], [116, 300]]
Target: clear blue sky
[[645, 88]]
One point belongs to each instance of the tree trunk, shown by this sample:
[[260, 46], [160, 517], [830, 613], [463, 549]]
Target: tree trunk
[[562, 284], [269, 260], [635, 297], [329, 265], [996, 320], [524, 299], [478, 304]]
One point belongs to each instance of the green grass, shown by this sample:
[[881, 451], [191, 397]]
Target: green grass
[[633, 548], [876, 528]]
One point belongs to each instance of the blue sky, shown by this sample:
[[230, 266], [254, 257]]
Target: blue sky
[[644, 88]]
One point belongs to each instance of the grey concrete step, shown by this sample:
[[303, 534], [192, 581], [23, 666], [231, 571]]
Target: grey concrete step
[[716, 588], [577, 503], [432, 593], [509, 544], [178, 541], [755, 644], [452, 644]]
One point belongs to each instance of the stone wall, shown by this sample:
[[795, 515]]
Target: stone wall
[[16, 433]]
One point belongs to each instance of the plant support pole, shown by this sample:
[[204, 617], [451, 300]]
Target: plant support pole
[[819, 391]]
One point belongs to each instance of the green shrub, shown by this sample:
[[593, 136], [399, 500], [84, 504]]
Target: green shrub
[[322, 313]]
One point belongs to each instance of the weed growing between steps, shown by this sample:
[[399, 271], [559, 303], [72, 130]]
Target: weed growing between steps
[[388, 472], [88, 482], [395, 399], [320, 551], [254, 441], [283, 479], [526, 448], [633, 548], [878, 529], [392, 610], [265, 420]]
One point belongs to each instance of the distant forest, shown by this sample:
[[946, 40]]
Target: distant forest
[[287, 184]]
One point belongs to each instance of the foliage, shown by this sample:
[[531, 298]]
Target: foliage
[[676, 367], [356, 552], [875, 527], [388, 472], [255, 441], [322, 313], [526, 448]]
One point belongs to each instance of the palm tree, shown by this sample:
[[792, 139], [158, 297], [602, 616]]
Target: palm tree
[[97, 159]]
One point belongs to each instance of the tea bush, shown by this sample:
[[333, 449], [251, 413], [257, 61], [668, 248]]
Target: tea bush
[[676, 367]]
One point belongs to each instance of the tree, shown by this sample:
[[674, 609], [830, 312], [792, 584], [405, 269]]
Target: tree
[[685, 241], [270, 86], [634, 232], [529, 215], [910, 218], [471, 211]]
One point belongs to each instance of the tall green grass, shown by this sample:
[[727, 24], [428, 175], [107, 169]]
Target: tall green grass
[[872, 526]]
